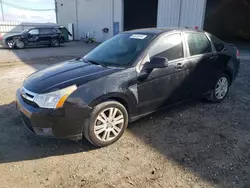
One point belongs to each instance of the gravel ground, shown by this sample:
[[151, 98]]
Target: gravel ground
[[192, 145]]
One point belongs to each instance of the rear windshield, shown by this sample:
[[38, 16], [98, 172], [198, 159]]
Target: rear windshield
[[120, 50]]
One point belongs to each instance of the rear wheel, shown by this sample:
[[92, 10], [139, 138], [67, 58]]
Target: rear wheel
[[220, 89], [106, 124], [55, 43]]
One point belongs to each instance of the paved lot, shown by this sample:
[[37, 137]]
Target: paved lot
[[192, 145], [72, 49]]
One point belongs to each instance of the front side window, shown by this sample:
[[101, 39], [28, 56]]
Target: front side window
[[170, 47], [120, 50], [34, 32], [198, 44]]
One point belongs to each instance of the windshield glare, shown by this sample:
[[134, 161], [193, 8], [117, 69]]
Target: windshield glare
[[120, 50], [24, 31]]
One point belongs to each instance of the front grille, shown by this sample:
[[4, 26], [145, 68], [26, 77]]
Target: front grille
[[31, 103], [26, 121], [28, 97]]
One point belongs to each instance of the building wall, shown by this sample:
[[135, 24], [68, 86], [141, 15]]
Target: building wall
[[94, 15], [181, 13], [168, 13], [193, 13], [118, 13], [66, 13], [90, 16]]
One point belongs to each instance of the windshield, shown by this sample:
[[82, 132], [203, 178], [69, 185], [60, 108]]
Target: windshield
[[120, 50], [24, 31]]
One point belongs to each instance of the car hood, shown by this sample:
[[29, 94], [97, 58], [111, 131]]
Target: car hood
[[65, 74], [12, 35]]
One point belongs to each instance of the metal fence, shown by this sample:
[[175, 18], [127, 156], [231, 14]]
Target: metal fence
[[9, 28]]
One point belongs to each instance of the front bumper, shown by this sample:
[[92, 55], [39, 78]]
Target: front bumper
[[66, 122], [3, 44]]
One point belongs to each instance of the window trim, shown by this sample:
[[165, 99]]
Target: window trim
[[142, 58], [183, 44], [197, 55], [214, 49]]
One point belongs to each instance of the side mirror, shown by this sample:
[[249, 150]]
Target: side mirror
[[156, 62]]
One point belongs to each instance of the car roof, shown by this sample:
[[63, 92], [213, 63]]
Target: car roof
[[158, 31], [42, 27]]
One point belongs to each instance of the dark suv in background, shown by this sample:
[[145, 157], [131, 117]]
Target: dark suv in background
[[35, 36]]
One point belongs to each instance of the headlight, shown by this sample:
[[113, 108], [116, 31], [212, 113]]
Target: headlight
[[54, 99]]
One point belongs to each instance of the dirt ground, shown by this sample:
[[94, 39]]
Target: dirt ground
[[192, 145]]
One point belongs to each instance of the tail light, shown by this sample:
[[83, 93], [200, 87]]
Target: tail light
[[238, 53], [1, 38]]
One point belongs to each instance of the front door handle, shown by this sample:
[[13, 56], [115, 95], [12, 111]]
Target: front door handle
[[179, 66], [213, 57]]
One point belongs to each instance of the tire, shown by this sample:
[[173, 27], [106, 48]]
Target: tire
[[220, 93], [11, 44], [109, 132], [19, 44], [55, 43]]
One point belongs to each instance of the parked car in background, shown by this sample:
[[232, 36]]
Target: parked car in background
[[125, 78], [35, 36]]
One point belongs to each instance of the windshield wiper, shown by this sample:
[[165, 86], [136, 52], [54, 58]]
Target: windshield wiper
[[94, 62]]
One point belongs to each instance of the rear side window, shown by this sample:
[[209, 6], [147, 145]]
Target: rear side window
[[198, 44], [170, 47], [218, 44], [45, 31]]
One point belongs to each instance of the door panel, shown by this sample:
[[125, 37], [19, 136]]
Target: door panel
[[33, 37], [162, 87], [200, 73], [201, 62], [45, 35]]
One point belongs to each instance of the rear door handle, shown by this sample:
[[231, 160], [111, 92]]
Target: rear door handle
[[179, 66]]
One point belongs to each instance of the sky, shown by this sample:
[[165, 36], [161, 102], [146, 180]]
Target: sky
[[13, 14]]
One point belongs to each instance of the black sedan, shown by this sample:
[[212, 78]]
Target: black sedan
[[129, 76], [36, 36]]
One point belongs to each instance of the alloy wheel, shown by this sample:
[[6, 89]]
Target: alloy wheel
[[19, 44], [108, 124], [221, 88]]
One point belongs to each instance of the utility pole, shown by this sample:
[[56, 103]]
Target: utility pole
[[2, 9]]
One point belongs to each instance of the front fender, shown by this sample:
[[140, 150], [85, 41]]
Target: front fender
[[120, 86]]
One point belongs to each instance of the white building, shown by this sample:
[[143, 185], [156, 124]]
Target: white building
[[119, 15]]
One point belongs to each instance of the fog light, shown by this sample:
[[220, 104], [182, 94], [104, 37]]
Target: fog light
[[43, 131]]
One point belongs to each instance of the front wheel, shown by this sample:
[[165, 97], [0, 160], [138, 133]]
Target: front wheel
[[19, 44], [106, 124], [220, 89]]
